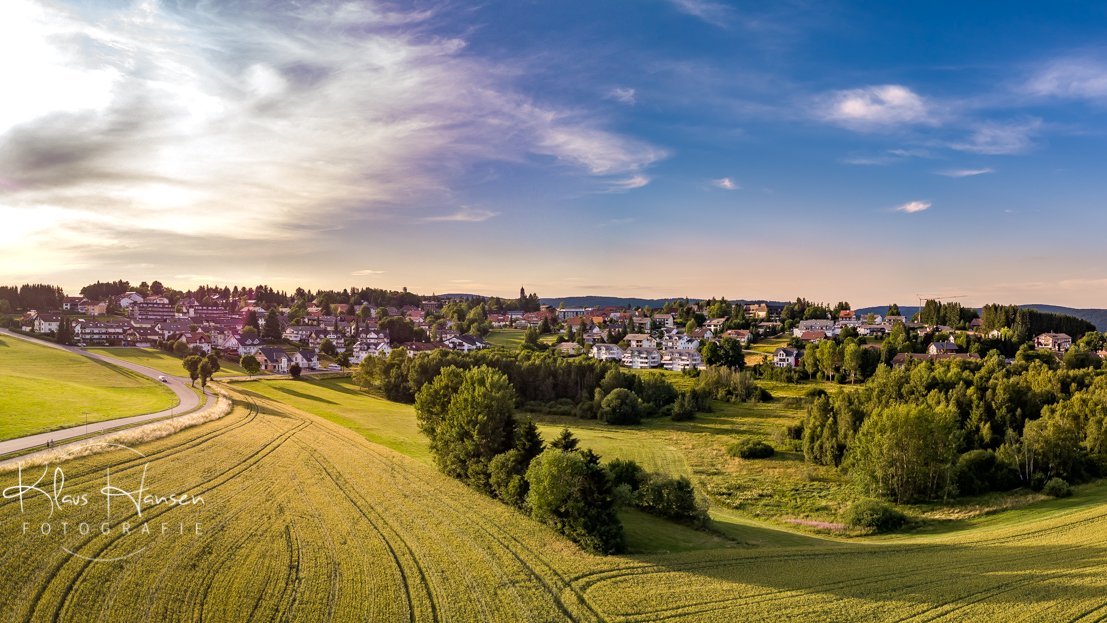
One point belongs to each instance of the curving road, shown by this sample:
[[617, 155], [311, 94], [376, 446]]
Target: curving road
[[188, 400]]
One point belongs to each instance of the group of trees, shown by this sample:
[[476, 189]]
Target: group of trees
[[543, 382], [1023, 324], [30, 296], [201, 368], [937, 429], [468, 417]]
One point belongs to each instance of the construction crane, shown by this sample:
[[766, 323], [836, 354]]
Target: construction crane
[[924, 299]]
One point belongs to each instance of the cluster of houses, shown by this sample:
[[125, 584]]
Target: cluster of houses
[[217, 326], [814, 331]]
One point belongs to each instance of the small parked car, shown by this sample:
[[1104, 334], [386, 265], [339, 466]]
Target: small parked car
[[163, 379]]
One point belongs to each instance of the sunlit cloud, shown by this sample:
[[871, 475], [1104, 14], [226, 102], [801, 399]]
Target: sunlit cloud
[[365, 272], [222, 120], [874, 107], [912, 207], [725, 183]]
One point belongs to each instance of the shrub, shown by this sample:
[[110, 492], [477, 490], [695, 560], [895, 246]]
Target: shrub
[[627, 472], [1057, 488], [873, 516], [672, 498], [294, 370], [621, 406], [751, 449]]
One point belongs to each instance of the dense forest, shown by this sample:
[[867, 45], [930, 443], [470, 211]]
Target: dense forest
[[938, 429]]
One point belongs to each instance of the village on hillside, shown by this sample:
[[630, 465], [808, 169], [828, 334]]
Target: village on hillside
[[331, 331]]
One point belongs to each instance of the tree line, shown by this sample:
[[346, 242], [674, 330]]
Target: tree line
[[942, 428]]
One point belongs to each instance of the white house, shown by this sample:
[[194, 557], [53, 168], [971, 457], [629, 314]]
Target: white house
[[787, 357], [465, 343], [641, 340], [941, 348], [606, 352], [826, 326], [665, 320], [680, 342], [641, 357], [681, 360], [47, 323], [307, 358], [569, 349], [273, 360], [1056, 342]]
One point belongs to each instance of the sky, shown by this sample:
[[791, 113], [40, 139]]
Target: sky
[[866, 151]]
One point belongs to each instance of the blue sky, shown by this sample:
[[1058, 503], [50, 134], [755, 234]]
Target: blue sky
[[860, 151]]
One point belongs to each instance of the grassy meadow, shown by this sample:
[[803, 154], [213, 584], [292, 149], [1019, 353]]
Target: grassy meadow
[[43, 388], [305, 518], [163, 361]]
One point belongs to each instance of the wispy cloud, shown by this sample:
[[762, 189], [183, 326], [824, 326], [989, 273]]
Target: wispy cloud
[[1072, 78], [463, 215], [965, 172], [912, 207], [629, 183], [714, 13], [365, 272], [1001, 138], [625, 95], [726, 184], [232, 120], [874, 107]]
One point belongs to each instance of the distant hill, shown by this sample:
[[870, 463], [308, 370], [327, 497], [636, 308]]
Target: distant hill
[[619, 301], [1098, 317]]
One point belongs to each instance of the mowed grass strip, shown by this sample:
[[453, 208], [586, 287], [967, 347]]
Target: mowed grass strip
[[43, 389], [339, 400], [163, 361]]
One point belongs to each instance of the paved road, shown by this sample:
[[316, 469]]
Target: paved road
[[188, 400]]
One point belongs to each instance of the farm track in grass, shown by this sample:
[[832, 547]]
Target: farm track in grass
[[306, 520]]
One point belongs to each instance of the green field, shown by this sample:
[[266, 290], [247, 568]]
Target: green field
[[306, 519], [505, 338], [44, 388], [163, 361]]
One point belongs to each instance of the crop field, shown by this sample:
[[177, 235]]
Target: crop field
[[304, 519], [163, 362], [43, 388]]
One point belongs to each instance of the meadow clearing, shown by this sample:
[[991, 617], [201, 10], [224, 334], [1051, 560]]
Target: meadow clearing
[[307, 519], [44, 388], [163, 361]]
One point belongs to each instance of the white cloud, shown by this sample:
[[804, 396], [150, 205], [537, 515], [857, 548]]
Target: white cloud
[[365, 272], [1074, 78], [629, 183], [625, 95], [463, 215], [911, 207], [726, 183], [714, 13], [875, 107], [965, 172], [997, 138], [229, 120]]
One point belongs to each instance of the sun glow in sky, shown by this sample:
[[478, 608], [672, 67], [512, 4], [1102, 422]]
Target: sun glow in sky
[[632, 147]]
